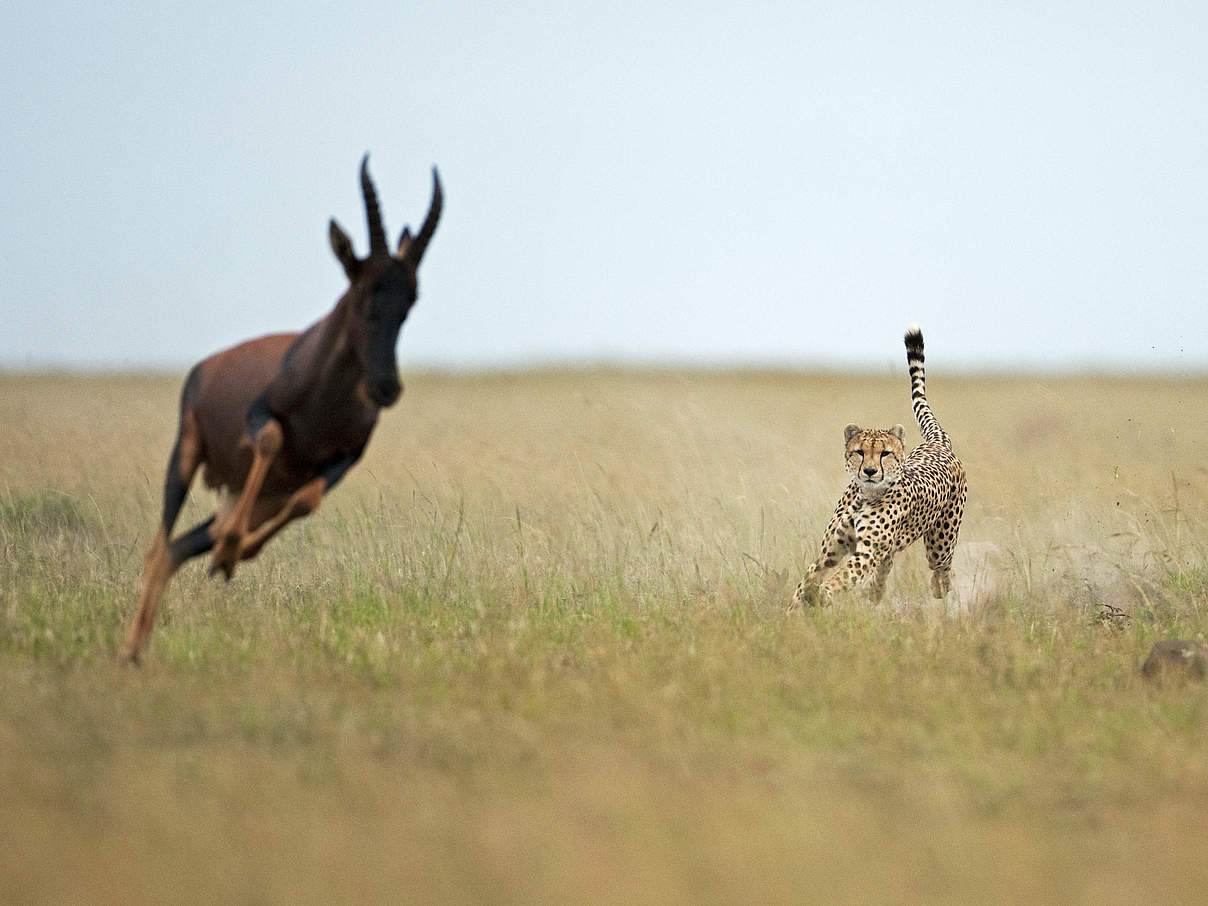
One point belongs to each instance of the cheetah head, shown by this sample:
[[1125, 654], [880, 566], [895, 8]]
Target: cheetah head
[[874, 458]]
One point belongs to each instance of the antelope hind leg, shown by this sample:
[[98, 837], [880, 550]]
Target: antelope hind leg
[[163, 559], [157, 570]]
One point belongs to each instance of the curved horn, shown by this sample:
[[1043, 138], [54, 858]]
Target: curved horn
[[377, 233], [415, 250]]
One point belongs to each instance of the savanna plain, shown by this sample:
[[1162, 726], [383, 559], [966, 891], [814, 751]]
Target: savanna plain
[[534, 649]]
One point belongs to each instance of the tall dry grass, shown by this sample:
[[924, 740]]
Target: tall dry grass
[[534, 649]]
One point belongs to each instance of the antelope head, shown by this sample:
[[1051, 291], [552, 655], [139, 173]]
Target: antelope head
[[382, 289]]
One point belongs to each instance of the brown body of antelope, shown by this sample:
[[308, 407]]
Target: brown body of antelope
[[277, 421]]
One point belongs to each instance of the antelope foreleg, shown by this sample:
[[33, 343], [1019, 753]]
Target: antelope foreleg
[[229, 537], [303, 502]]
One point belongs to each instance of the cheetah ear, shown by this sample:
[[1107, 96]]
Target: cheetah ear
[[900, 433], [849, 432]]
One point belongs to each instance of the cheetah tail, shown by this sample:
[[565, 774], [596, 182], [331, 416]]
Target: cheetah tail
[[928, 424]]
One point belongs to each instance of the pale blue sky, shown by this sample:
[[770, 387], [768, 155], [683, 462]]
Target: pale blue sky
[[787, 183]]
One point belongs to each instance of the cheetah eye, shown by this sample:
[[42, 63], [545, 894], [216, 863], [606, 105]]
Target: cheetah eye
[[885, 453]]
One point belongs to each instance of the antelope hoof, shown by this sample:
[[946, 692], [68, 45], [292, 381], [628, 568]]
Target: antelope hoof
[[129, 657], [226, 555]]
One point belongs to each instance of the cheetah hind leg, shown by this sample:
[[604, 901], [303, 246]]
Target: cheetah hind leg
[[941, 582], [940, 547], [941, 569]]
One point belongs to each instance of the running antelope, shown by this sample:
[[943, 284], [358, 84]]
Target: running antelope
[[277, 421]]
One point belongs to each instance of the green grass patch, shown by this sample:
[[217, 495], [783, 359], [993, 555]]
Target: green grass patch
[[534, 649]]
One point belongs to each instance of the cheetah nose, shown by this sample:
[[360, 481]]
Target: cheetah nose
[[870, 471]]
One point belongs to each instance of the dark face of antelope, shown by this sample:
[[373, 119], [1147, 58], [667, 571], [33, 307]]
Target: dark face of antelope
[[382, 309], [383, 290]]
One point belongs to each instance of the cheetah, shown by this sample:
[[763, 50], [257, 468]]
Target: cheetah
[[891, 501]]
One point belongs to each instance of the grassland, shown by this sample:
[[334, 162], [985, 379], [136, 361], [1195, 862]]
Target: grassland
[[534, 649]]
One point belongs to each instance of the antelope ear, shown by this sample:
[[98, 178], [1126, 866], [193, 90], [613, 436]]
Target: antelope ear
[[342, 246], [404, 243], [899, 433], [849, 432]]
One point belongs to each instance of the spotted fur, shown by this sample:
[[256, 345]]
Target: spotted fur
[[891, 502]]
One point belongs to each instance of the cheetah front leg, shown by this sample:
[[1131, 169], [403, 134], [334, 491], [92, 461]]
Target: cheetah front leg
[[858, 568], [836, 544], [877, 591], [807, 591]]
